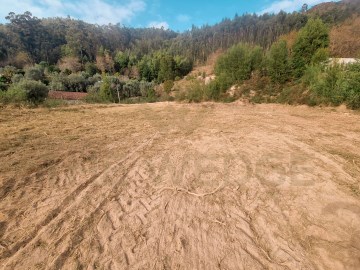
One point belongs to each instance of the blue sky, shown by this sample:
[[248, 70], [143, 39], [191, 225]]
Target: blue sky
[[177, 15]]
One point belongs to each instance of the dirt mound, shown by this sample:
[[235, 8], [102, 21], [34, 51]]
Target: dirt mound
[[170, 186]]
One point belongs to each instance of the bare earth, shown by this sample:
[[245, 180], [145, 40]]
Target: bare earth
[[180, 186]]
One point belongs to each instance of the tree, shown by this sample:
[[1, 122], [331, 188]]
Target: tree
[[304, 8], [104, 61], [278, 62], [28, 32], [238, 62], [314, 36], [167, 68], [70, 63]]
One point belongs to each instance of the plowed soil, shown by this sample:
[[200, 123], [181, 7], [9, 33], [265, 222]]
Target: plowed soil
[[180, 186]]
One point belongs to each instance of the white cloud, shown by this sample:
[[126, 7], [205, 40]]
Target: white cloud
[[93, 11], [164, 25], [182, 18], [288, 5]]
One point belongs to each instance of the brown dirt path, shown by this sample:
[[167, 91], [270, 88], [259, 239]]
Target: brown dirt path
[[180, 186]]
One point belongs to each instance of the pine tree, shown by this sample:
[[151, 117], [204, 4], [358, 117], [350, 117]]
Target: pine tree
[[278, 62], [314, 36]]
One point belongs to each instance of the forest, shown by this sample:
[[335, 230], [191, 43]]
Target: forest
[[113, 63]]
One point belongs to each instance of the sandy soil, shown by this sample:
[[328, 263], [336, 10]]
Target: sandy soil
[[180, 186]]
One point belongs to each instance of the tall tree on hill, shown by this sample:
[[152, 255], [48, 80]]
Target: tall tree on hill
[[278, 62], [27, 31], [314, 36]]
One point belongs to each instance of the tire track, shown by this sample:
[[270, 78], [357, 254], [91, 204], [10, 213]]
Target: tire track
[[68, 203]]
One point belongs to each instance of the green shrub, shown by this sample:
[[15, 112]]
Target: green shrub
[[238, 62], [90, 68], [106, 90], [35, 73], [7, 73], [34, 91], [352, 78], [16, 78], [76, 83], [320, 56], [13, 95], [57, 82], [196, 92], [131, 89], [168, 85], [213, 90], [278, 62], [311, 38], [3, 86], [147, 89]]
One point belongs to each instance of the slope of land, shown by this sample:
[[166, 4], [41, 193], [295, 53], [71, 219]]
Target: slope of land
[[180, 186]]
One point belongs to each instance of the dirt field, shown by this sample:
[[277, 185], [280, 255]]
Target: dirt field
[[180, 186]]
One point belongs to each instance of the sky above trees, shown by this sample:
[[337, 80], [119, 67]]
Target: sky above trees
[[176, 15]]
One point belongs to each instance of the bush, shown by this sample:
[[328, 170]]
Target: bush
[[330, 85], [334, 85], [278, 62], [213, 90], [168, 85], [7, 73], [131, 89], [107, 90], [90, 68], [13, 95], [353, 86], [238, 62], [76, 83], [196, 92], [34, 91], [34, 73], [57, 82], [17, 78]]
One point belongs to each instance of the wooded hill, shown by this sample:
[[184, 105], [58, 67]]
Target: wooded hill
[[26, 39], [262, 58]]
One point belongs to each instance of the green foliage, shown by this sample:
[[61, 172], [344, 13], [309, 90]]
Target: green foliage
[[168, 85], [320, 56], [17, 78], [234, 67], [26, 90], [334, 85], [121, 61], [76, 83], [183, 66], [106, 93], [352, 78], [6, 73], [166, 68], [90, 68], [278, 62], [57, 82], [196, 92], [213, 90], [131, 89], [162, 67], [35, 73], [13, 95], [311, 38], [238, 62]]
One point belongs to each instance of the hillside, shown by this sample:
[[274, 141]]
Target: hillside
[[27, 39], [114, 63]]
